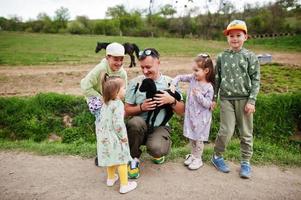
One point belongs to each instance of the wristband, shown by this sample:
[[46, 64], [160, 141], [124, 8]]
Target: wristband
[[140, 105]]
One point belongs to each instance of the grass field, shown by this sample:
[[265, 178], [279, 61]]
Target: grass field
[[32, 49], [279, 79]]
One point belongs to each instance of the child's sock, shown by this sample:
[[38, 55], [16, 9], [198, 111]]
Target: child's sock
[[111, 171], [123, 174], [197, 148]]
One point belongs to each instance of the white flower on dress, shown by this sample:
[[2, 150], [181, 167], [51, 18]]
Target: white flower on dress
[[229, 93]]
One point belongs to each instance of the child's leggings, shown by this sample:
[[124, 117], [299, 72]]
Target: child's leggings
[[122, 171], [197, 148]]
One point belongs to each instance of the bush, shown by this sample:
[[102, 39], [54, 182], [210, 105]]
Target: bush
[[37, 117]]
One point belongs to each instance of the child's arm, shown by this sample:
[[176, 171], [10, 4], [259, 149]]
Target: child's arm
[[205, 99], [254, 74], [217, 78], [182, 78], [118, 122]]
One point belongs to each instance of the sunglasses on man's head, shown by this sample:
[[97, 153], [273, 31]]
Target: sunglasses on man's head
[[204, 55], [148, 52]]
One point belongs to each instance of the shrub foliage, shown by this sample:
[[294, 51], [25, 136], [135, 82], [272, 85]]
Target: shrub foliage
[[276, 118]]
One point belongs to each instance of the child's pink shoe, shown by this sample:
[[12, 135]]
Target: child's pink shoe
[[127, 188], [111, 182]]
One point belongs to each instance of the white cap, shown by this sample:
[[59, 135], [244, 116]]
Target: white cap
[[115, 49]]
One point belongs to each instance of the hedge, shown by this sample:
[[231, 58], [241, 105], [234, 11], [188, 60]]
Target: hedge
[[277, 117]]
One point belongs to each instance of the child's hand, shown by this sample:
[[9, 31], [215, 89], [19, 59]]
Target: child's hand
[[213, 105], [124, 140], [249, 108], [172, 88]]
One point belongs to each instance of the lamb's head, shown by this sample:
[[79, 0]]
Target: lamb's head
[[148, 85]]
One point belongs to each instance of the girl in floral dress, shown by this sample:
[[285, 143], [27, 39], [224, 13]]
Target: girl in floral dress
[[112, 141]]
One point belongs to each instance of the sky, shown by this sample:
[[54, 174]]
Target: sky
[[95, 9]]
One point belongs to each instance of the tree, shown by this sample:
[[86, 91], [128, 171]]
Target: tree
[[61, 18], [167, 10], [46, 22], [116, 12]]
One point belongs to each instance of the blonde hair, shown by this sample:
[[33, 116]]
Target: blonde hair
[[110, 87], [205, 62]]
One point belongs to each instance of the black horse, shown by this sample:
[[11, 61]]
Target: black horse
[[129, 48]]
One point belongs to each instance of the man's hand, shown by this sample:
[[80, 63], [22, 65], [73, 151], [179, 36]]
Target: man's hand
[[163, 98], [249, 108], [148, 104]]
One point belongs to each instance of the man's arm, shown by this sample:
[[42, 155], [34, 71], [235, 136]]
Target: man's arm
[[165, 98], [136, 109]]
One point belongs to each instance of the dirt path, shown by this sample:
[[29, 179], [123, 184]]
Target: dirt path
[[26, 176], [30, 80]]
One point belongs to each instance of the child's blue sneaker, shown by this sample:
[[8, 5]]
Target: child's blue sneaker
[[220, 164], [245, 170]]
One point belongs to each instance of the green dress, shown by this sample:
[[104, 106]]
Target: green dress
[[111, 128]]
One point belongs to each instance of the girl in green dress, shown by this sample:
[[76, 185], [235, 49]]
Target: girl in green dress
[[112, 141]]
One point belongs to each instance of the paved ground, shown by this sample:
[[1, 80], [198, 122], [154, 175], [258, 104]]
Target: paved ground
[[27, 176]]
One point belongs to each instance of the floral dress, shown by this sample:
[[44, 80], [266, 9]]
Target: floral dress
[[110, 130], [198, 116]]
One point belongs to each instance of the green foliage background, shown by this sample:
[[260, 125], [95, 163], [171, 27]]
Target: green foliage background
[[37, 117]]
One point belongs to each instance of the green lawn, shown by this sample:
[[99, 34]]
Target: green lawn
[[264, 152], [279, 79], [33, 49]]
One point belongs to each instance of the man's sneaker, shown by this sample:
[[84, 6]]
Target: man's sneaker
[[127, 188], [195, 164], [133, 169], [111, 182], [188, 159], [160, 160], [220, 164], [245, 170]]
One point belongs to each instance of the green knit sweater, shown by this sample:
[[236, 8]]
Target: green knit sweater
[[237, 75]]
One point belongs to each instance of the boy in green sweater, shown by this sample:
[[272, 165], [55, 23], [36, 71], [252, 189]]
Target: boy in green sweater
[[237, 81], [112, 65]]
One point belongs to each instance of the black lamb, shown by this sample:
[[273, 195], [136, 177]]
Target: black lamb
[[149, 86]]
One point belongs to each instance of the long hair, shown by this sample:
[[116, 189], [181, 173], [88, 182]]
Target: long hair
[[206, 63], [110, 87]]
